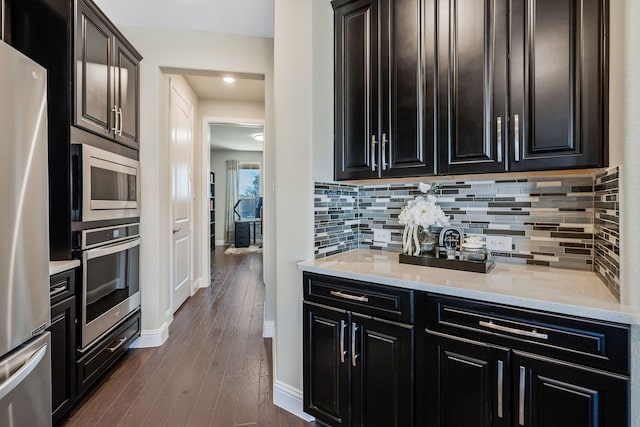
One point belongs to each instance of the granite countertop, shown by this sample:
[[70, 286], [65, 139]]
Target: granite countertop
[[56, 267], [578, 293]]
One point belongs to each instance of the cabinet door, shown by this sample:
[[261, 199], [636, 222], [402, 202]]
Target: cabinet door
[[472, 53], [555, 394], [467, 383], [356, 94], [127, 80], [557, 84], [407, 46], [326, 365], [94, 76], [63, 351], [382, 373]]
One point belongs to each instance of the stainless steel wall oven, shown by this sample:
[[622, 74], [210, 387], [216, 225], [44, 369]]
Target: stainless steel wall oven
[[110, 285]]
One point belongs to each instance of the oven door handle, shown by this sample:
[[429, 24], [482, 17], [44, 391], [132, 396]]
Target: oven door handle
[[111, 249]]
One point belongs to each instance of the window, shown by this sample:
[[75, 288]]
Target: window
[[249, 175]]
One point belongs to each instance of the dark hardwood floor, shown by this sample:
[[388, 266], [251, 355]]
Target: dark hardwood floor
[[214, 370]]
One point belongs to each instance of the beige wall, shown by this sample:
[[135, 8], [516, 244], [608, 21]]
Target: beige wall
[[210, 108], [219, 166], [185, 50]]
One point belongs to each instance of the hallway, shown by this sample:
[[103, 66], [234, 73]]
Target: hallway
[[214, 370]]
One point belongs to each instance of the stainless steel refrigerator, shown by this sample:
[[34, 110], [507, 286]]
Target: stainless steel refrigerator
[[25, 364]]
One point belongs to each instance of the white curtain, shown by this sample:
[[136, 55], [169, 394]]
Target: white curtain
[[232, 198]]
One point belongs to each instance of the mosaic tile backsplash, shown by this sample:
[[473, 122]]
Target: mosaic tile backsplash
[[569, 222], [607, 228]]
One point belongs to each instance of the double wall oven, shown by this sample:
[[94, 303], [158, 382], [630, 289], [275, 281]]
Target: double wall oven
[[106, 209]]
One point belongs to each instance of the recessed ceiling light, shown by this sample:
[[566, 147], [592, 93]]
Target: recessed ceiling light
[[258, 136], [228, 79]]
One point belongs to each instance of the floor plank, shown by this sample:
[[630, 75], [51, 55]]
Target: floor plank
[[214, 370]]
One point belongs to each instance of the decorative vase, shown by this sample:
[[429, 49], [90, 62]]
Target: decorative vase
[[427, 240]]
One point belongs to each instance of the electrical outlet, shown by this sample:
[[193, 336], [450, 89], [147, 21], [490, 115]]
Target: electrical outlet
[[500, 243], [383, 236]]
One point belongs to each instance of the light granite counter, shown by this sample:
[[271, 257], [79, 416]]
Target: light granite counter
[[56, 267], [577, 293]]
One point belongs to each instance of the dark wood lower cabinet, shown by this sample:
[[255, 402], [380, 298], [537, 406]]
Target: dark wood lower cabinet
[[63, 347], [467, 383], [358, 371], [382, 373], [96, 361], [552, 393], [326, 366]]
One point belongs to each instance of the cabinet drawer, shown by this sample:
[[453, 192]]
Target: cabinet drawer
[[62, 286], [587, 342], [362, 297], [99, 359]]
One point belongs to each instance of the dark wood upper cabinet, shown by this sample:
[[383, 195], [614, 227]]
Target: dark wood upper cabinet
[[472, 85], [558, 84], [481, 86], [384, 89], [94, 73], [407, 48], [107, 79], [356, 90]]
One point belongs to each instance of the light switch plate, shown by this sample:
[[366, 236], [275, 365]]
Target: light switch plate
[[380, 235], [500, 243]]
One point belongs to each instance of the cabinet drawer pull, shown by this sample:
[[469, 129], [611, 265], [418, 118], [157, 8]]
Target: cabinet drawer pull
[[118, 345], [500, 387], [531, 334], [372, 154], [516, 141], [354, 356], [521, 396], [57, 291], [499, 137], [349, 296], [343, 325]]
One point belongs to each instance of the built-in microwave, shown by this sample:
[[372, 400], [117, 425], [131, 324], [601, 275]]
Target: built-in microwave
[[105, 185]]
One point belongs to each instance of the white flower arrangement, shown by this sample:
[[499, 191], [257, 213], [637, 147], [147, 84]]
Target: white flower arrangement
[[421, 212]]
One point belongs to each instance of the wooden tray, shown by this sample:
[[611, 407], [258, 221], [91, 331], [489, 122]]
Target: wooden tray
[[452, 264]]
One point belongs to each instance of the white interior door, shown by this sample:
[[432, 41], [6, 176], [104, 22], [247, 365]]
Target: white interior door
[[181, 189]]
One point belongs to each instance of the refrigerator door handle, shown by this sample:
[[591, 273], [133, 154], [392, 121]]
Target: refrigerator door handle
[[14, 380]]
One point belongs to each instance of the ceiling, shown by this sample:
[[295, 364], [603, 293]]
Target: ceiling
[[235, 137], [243, 17], [207, 87]]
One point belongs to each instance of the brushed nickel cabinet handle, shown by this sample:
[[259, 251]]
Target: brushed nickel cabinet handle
[[116, 125], [500, 387], [342, 351], [384, 152], [372, 154], [120, 114], [349, 296], [499, 137], [521, 395], [354, 356], [516, 141], [531, 334]]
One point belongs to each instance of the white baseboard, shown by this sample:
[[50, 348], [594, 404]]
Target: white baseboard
[[289, 399], [152, 337], [168, 316], [195, 285], [220, 242], [267, 328]]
